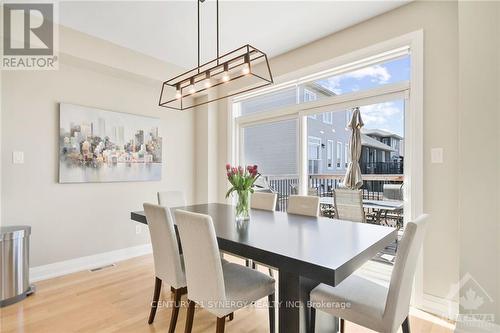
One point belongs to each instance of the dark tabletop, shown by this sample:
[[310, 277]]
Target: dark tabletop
[[319, 248]]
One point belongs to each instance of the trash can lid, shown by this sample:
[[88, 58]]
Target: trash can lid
[[14, 231]]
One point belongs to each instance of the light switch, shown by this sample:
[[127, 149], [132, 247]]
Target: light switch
[[437, 155], [18, 157]]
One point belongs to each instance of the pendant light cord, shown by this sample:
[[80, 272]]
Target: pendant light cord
[[198, 35], [217, 19], [217, 5]]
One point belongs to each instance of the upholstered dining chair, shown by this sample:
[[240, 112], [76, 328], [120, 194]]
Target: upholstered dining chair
[[349, 205], [263, 201], [303, 205], [168, 263], [372, 305], [171, 199], [220, 287]]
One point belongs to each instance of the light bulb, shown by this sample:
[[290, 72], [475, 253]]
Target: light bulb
[[246, 69], [208, 82], [246, 65], [225, 74], [191, 88]]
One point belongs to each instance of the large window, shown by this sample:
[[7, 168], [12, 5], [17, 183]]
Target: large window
[[293, 140]]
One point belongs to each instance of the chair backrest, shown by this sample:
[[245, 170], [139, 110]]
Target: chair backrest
[[398, 298], [166, 255], [205, 279], [349, 205], [171, 199], [303, 205], [263, 200], [393, 192]]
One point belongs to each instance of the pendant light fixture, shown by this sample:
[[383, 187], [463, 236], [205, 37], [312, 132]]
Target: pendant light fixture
[[241, 70]]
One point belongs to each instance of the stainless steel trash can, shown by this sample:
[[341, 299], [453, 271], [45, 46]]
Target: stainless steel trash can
[[14, 264]]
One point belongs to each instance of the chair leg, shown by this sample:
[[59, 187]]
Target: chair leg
[[312, 323], [272, 318], [406, 325], [342, 325], [189, 317], [154, 303], [271, 274], [175, 310], [221, 325]]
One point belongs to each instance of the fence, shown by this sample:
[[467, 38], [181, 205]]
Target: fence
[[323, 185]]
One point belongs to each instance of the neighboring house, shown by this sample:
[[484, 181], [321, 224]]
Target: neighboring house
[[382, 152], [274, 146]]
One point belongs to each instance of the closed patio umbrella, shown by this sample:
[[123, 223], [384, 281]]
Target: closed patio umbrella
[[352, 179]]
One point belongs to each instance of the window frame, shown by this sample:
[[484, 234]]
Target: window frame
[[329, 154], [338, 155]]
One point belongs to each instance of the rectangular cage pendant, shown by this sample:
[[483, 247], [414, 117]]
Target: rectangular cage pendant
[[238, 71]]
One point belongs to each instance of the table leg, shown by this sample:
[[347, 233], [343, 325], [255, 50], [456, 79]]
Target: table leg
[[289, 298], [294, 315]]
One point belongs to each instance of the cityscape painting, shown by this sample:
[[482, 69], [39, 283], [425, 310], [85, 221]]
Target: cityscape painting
[[105, 146]]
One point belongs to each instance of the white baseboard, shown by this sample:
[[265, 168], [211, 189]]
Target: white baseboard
[[440, 307], [83, 263]]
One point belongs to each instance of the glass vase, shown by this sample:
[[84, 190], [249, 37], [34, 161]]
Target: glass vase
[[242, 206]]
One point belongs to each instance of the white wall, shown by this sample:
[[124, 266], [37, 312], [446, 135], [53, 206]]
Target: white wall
[[479, 108], [74, 220]]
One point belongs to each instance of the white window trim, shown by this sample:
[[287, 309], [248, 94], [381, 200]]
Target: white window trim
[[319, 145], [329, 149], [338, 155], [413, 143], [330, 122]]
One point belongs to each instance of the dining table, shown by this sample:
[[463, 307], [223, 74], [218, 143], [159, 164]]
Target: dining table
[[305, 250]]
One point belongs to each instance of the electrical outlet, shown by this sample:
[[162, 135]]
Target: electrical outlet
[[18, 157], [138, 229], [437, 155]]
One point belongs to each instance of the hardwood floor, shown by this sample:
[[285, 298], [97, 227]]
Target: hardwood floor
[[118, 299]]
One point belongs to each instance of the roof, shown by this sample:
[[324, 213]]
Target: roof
[[367, 141], [381, 133], [319, 88]]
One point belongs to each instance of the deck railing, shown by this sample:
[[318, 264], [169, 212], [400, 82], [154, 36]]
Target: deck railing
[[323, 185]]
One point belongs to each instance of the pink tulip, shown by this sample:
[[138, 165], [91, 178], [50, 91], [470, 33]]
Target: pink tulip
[[228, 166]]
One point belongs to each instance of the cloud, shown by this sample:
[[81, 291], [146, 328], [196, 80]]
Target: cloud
[[377, 115], [376, 73]]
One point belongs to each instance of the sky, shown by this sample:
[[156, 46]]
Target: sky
[[389, 115]]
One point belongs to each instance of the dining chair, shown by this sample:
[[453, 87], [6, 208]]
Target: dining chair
[[349, 205], [168, 263], [220, 287], [372, 305], [171, 199], [303, 205], [263, 201]]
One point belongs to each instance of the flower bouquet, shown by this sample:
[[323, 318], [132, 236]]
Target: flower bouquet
[[242, 182]]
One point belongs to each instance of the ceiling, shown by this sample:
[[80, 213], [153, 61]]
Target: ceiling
[[167, 29]]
